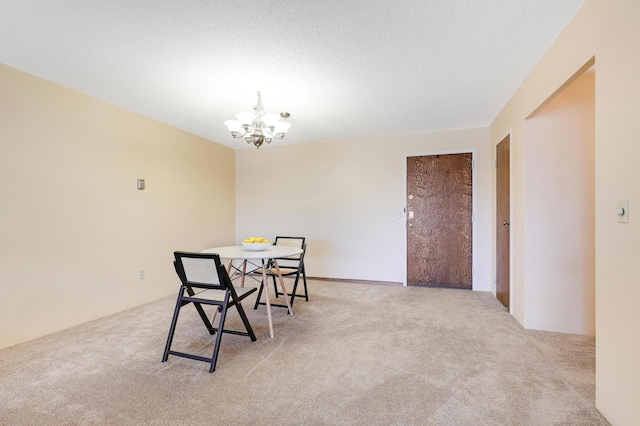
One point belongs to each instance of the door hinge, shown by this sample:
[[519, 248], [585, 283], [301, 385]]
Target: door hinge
[[495, 164], [473, 165]]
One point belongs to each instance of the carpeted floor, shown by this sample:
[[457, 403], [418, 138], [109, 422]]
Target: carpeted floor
[[355, 354]]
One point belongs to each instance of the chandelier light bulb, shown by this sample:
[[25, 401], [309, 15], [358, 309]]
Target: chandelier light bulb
[[234, 126], [246, 118], [282, 127]]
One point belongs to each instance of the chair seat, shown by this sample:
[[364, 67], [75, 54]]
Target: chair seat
[[283, 271], [211, 294]]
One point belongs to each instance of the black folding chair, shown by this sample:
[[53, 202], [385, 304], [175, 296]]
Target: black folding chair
[[289, 266], [205, 282]]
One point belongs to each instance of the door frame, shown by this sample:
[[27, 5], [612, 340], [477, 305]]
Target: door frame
[[474, 243], [494, 233]]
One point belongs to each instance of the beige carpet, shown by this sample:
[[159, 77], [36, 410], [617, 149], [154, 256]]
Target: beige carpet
[[355, 354]]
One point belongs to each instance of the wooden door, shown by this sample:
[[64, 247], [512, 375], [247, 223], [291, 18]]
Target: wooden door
[[503, 221], [439, 216]]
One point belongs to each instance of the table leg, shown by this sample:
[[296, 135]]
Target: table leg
[[284, 289], [244, 272], [266, 297]]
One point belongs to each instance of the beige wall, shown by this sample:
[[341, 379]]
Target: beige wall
[[559, 171], [607, 30], [75, 231], [347, 197]]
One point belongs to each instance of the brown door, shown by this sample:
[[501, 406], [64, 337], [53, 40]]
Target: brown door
[[439, 210], [502, 222]]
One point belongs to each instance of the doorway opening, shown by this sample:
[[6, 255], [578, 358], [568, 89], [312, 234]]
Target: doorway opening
[[559, 176]]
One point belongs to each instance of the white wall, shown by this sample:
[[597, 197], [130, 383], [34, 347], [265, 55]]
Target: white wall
[[559, 163], [345, 196]]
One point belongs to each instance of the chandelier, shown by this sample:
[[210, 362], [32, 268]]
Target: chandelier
[[259, 127]]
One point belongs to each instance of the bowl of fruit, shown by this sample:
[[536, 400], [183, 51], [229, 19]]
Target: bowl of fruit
[[256, 244]]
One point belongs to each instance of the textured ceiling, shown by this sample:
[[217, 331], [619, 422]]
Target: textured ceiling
[[343, 69]]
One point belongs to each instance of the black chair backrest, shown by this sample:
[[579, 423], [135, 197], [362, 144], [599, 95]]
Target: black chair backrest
[[201, 270], [292, 261], [290, 241]]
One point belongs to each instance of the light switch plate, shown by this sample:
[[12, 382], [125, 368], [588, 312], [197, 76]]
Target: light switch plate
[[623, 218]]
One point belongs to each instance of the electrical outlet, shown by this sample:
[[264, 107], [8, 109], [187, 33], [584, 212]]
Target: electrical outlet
[[141, 275]]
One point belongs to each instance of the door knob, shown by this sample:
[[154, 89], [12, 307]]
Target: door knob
[[505, 222]]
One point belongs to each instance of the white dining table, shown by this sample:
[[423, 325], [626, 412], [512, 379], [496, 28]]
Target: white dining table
[[232, 253]]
